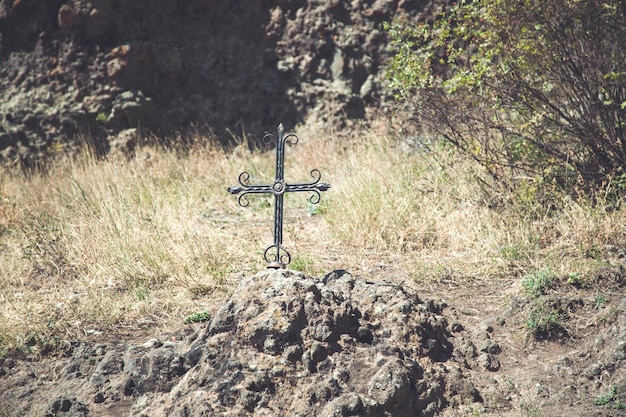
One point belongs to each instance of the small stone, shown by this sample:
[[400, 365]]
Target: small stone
[[98, 380], [269, 345], [129, 387], [115, 67], [152, 343], [390, 386], [364, 335], [292, 353], [249, 399], [489, 346], [347, 405], [62, 405], [489, 362], [456, 327], [317, 352], [65, 17]]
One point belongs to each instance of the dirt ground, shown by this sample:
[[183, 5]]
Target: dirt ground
[[575, 369]]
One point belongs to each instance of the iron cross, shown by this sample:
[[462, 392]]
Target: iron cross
[[276, 255]]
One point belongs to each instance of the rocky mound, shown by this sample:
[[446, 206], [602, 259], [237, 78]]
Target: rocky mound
[[89, 69], [284, 344]]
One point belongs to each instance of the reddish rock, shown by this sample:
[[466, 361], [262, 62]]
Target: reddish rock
[[65, 17], [115, 67]]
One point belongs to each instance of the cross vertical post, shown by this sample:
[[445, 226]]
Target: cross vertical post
[[276, 255]]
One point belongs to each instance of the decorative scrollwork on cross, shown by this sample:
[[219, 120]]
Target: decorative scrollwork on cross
[[276, 255]]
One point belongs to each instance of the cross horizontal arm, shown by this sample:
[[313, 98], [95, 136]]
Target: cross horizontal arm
[[247, 189], [307, 187], [315, 188]]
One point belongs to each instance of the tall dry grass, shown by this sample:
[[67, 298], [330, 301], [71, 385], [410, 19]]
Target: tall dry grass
[[103, 246], [122, 247]]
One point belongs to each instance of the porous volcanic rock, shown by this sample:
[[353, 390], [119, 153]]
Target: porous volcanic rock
[[284, 344], [76, 70]]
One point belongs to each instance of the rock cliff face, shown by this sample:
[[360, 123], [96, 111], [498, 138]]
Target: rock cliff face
[[284, 344], [75, 70]]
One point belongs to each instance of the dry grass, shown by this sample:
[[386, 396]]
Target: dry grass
[[132, 247]]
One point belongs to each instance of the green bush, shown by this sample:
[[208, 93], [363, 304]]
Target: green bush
[[538, 283], [198, 317], [546, 319], [611, 400], [530, 89]]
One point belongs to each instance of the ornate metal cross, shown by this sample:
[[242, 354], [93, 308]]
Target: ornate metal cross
[[275, 255]]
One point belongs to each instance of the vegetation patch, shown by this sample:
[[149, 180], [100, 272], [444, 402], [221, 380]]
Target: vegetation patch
[[498, 80], [198, 317], [99, 247], [546, 319], [538, 283], [611, 400]]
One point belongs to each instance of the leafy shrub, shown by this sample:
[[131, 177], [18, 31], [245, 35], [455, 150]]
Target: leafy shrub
[[538, 283], [198, 317], [546, 319], [531, 89], [547, 315], [611, 400]]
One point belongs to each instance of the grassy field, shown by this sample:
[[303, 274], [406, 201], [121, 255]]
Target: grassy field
[[130, 247]]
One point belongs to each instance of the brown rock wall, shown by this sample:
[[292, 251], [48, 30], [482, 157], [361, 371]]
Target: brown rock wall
[[68, 67]]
